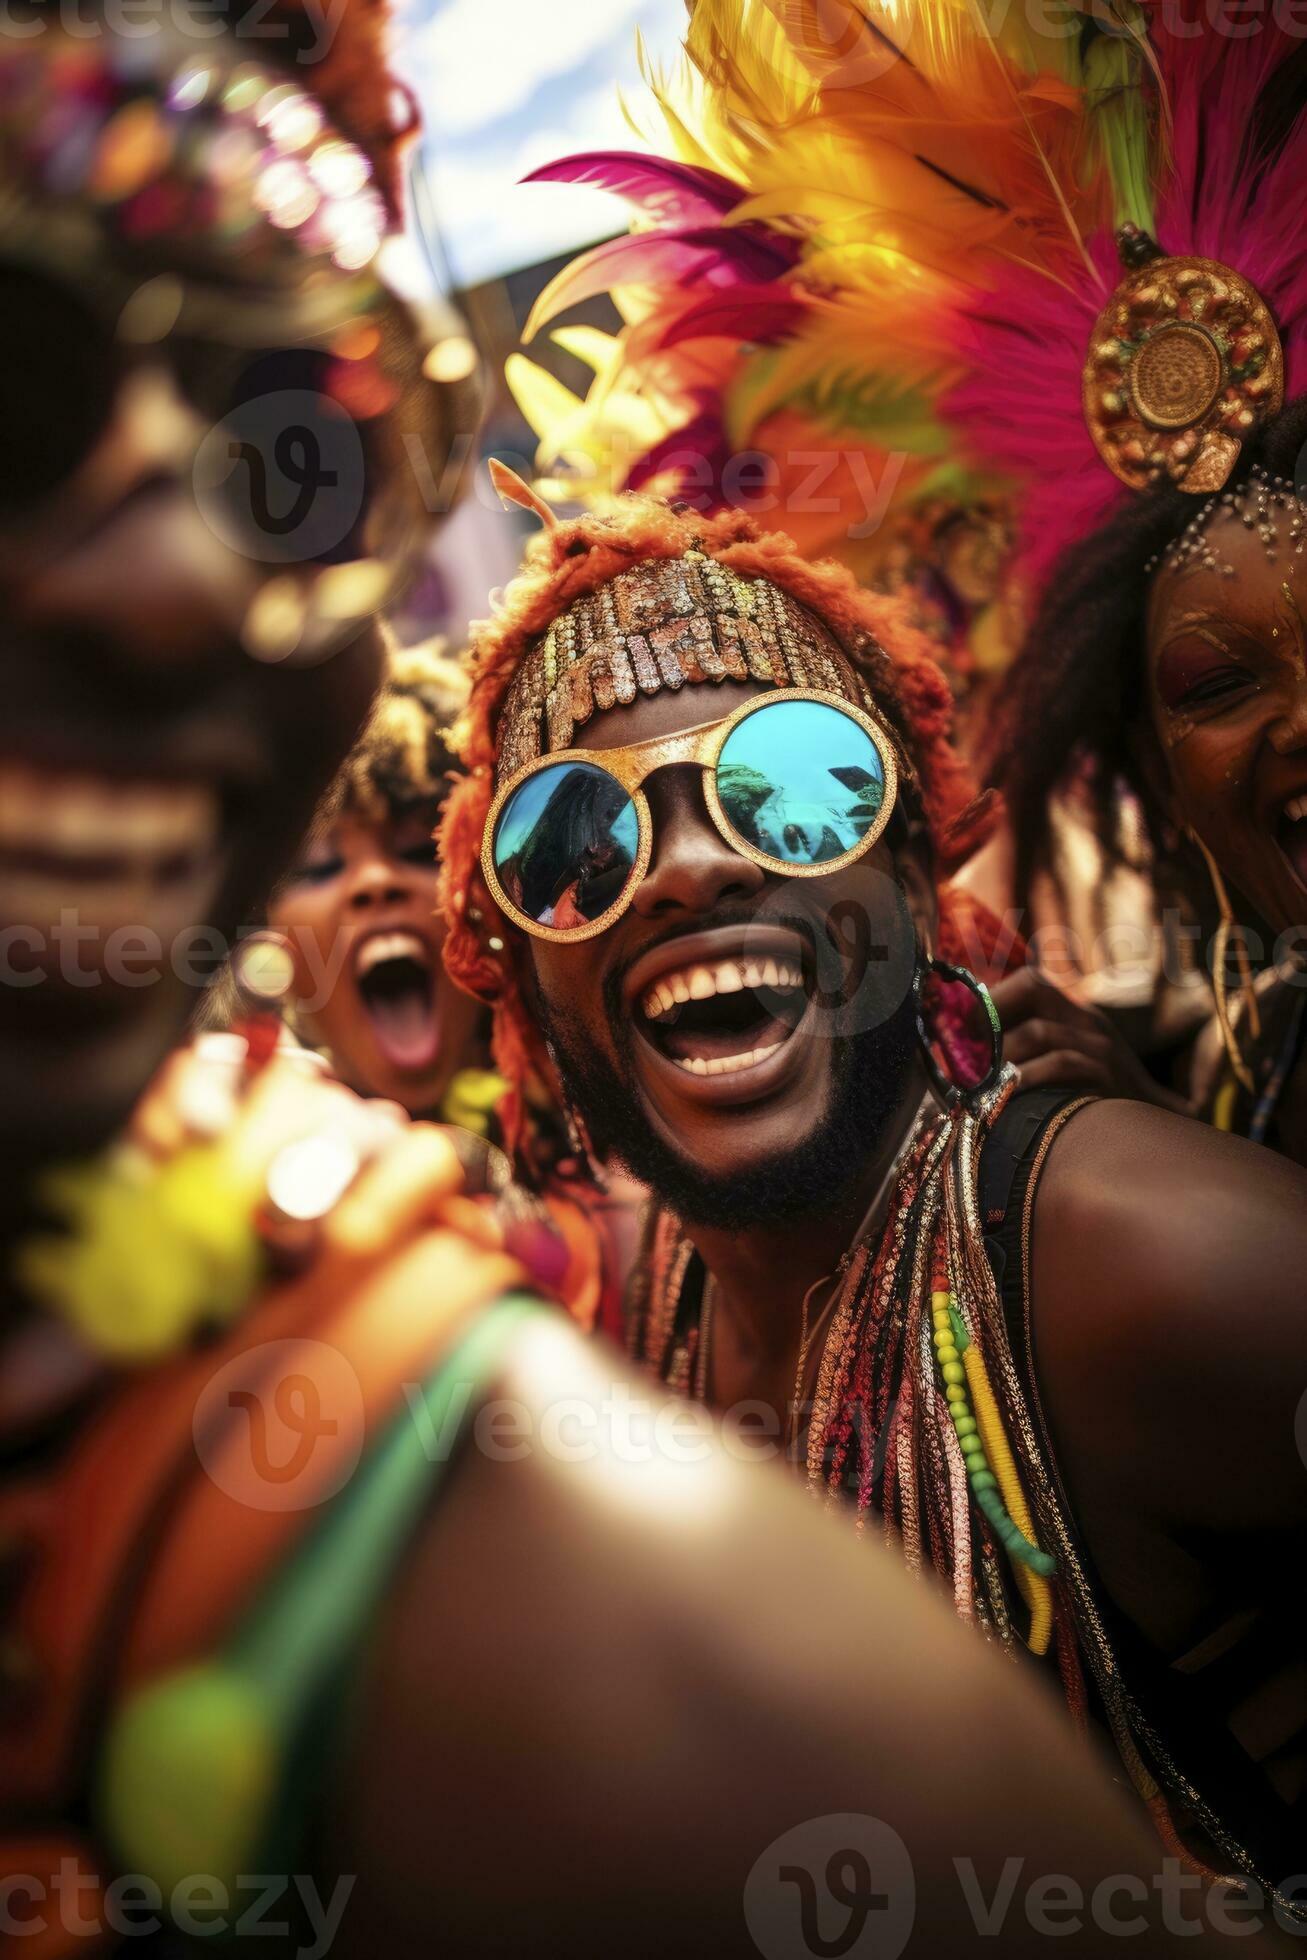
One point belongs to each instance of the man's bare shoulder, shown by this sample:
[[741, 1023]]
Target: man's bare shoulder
[[1128, 1167], [1169, 1304]]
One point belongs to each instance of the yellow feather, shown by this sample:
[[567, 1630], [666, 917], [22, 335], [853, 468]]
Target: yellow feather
[[599, 350], [915, 151], [546, 404]]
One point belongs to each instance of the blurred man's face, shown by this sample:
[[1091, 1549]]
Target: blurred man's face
[[153, 781], [158, 759]]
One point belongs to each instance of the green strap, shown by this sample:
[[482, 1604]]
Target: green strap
[[193, 1765]]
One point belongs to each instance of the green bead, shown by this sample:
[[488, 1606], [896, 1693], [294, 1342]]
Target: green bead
[[983, 1479], [189, 1774], [956, 1393], [946, 1353], [965, 1424], [953, 1371]]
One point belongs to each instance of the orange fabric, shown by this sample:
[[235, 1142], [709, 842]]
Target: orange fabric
[[221, 1545], [138, 1556]]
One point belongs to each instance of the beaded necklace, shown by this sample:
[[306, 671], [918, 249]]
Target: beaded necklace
[[922, 1420], [904, 1419]]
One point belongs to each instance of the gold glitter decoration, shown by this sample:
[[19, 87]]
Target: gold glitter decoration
[[665, 623]]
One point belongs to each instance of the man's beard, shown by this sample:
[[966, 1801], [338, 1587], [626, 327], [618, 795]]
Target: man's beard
[[869, 1073]]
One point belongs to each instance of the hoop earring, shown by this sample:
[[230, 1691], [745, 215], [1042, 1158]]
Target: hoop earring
[[1234, 1054], [577, 1134], [961, 1083]]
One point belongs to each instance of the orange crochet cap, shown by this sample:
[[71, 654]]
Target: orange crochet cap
[[566, 561]]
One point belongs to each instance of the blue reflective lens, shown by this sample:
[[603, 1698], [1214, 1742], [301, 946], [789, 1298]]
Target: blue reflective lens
[[800, 781], [565, 843]]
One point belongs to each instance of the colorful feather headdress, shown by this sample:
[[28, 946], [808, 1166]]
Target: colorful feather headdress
[[903, 254]]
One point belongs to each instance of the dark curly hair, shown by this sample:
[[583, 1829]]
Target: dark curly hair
[[1073, 699], [405, 754]]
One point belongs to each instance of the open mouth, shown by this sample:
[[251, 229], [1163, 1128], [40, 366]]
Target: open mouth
[[110, 852], [721, 1017], [1291, 836], [395, 976]]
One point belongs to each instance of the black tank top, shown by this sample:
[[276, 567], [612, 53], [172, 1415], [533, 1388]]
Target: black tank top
[[1186, 1706]]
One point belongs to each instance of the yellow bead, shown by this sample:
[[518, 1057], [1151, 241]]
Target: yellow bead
[[953, 1371], [946, 1353]]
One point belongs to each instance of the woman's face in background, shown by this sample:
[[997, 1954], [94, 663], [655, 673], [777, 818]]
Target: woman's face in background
[[359, 911], [1227, 664]]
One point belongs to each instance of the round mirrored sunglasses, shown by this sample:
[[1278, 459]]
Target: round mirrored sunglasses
[[799, 781]]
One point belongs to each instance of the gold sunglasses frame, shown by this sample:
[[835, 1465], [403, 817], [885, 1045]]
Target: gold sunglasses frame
[[632, 765]]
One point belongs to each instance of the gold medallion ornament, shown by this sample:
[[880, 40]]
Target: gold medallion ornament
[[1184, 363]]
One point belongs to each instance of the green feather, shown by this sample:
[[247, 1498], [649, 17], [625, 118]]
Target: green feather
[[871, 407], [1114, 63]]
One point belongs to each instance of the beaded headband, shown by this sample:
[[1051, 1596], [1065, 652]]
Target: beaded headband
[[665, 623], [1258, 504]]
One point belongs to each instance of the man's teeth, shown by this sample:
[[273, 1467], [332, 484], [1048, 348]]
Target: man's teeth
[[1296, 808], [385, 946], [95, 820], [725, 977], [725, 1064]]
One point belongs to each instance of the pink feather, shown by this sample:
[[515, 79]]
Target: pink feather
[[1213, 204], [757, 314], [674, 194], [714, 256], [1017, 411], [696, 453]]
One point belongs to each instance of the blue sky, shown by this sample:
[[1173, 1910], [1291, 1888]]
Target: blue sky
[[507, 84]]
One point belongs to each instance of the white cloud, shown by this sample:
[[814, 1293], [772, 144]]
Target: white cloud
[[493, 223], [479, 60]]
